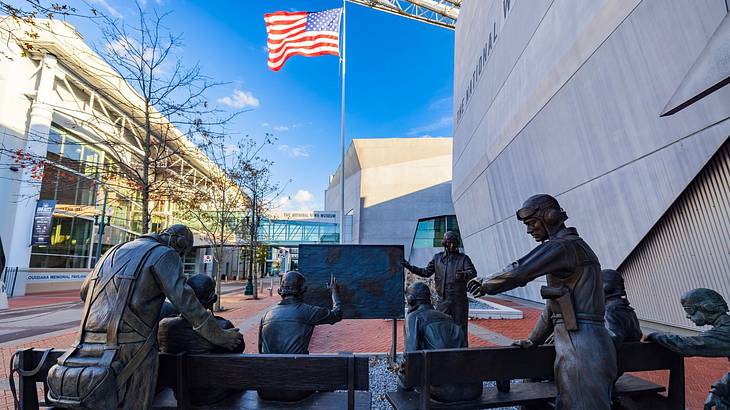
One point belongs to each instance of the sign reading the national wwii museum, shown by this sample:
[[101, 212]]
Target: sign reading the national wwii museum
[[42, 222], [496, 23], [370, 278]]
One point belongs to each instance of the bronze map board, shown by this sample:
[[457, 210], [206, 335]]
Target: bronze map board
[[370, 278]]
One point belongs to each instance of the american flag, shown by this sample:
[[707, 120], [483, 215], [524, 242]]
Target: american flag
[[304, 33]]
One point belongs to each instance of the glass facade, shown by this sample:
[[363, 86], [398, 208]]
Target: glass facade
[[430, 232], [71, 177], [293, 232]]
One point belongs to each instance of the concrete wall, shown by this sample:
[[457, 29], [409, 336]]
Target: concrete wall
[[394, 183], [332, 196], [565, 101]]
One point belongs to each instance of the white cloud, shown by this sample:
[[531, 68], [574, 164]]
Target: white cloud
[[240, 99], [294, 151], [300, 201], [281, 128], [265, 124], [441, 103], [440, 124], [303, 196]]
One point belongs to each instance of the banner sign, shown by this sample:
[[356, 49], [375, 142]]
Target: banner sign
[[42, 222], [370, 277]]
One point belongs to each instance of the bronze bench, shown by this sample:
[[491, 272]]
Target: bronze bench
[[347, 373], [435, 367]]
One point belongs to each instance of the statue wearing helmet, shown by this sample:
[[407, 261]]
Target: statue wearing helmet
[[113, 363], [585, 362], [451, 270], [704, 307], [428, 329], [288, 327]]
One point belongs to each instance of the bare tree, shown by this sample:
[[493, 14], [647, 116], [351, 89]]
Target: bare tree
[[218, 206], [144, 95], [173, 98], [263, 192]]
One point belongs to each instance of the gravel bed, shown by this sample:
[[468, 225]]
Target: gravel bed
[[383, 378]]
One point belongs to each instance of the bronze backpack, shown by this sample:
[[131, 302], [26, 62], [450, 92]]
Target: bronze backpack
[[89, 378]]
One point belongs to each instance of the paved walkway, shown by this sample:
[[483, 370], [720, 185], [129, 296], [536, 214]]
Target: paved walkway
[[51, 321]]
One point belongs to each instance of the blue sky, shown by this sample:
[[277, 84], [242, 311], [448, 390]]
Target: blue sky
[[399, 81]]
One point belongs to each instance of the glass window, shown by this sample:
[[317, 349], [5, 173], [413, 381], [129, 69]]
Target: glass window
[[70, 178], [69, 247], [430, 232]]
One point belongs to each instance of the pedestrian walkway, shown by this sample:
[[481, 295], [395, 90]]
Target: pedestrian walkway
[[360, 336]]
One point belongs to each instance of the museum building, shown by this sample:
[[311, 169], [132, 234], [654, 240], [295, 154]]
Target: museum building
[[397, 192], [564, 98], [64, 111]]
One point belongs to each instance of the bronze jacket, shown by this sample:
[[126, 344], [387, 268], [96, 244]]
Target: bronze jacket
[[288, 327], [428, 329], [714, 342], [451, 273], [567, 261], [160, 277]]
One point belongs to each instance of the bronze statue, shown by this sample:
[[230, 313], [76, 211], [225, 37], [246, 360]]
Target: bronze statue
[[288, 327], [428, 329], [176, 335], [585, 362], [704, 307], [113, 363], [621, 320], [452, 270]]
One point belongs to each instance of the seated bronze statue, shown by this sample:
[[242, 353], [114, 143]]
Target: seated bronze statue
[[621, 321], [288, 327], [177, 335], [429, 329], [704, 307], [113, 363]]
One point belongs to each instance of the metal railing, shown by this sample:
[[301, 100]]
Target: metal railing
[[8, 277]]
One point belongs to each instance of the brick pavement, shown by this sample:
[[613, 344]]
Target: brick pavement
[[375, 336], [42, 299]]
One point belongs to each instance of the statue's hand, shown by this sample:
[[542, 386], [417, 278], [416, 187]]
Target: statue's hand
[[231, 338], [651, 337], [475, 287], [333, 285], [523, 343]]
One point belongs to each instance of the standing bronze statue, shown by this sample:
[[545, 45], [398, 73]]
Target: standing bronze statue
[[704, 307], [451, 270], [428, 329], [176, 335], [113, 364], [288, 327], [585, 362]]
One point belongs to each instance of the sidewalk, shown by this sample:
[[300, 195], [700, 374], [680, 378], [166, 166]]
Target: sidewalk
[[361, 336], [43, 299]]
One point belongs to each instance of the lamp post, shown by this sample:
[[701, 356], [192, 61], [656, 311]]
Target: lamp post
[[101, 220], [249, 283]]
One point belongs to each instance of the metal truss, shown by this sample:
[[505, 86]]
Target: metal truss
[[443, 13]]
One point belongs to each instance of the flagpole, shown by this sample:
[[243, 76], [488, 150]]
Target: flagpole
[[342, 129]]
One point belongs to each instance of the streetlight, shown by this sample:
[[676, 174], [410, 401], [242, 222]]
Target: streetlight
[[249, 283]]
